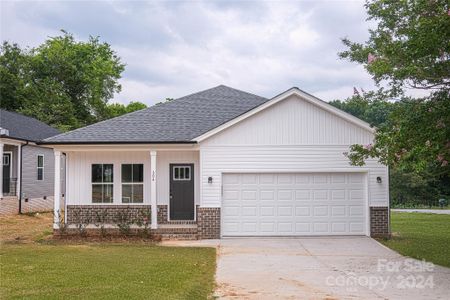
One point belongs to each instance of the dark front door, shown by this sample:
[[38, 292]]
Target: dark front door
[[181, 191], [6, 172]]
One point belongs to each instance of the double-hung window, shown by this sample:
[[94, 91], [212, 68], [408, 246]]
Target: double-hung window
[[132, 183], [102, 183], [40, 167]]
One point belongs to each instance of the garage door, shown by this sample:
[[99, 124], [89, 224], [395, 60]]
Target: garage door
[[293, 204]]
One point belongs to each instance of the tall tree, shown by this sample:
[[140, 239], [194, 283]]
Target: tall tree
[[63, 82], [409, 48], [13, 69]]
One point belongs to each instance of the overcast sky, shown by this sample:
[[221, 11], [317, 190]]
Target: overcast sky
[[172, 49]]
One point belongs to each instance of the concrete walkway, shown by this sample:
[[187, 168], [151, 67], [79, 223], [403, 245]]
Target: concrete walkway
[[320, 268], [425, 211]]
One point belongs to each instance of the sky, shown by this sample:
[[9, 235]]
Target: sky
[[175, 48]]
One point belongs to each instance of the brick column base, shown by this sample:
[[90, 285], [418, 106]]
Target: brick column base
[[379, 222], [163, 214], [208, 222]]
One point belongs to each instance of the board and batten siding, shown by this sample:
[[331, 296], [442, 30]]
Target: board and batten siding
[[79, 171], [31, 187], [291, 136]]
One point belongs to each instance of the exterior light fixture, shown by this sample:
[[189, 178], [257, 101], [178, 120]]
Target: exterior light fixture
[[379, 179], [210, 179]]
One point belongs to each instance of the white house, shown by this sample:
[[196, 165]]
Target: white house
[[223, 162]]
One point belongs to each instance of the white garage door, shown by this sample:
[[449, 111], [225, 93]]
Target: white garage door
[[293, 204]]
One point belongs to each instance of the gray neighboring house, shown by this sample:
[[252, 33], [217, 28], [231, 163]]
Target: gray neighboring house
[[224, 163], [27, 177]]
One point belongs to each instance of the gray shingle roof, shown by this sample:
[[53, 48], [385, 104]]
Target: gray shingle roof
[[179, 120], [25, 128]]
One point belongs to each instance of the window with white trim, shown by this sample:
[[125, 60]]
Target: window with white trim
[[132, 183], [40, 167], [182, 173], [102, 183]]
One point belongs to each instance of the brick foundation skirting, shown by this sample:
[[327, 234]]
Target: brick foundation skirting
[[107, 214], [379, 222], [208, 222]]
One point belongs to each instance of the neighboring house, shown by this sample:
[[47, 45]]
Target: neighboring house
[[223, 162], [27, 177]]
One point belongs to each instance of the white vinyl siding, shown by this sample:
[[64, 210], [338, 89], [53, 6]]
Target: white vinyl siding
[[79, 174], [291, 136], [79, 168], [283, 159], [292, 122]]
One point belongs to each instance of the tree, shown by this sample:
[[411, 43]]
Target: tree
[[63, 82], [117, 109], [372, 107], [409, 48], [408, 186], [13, 65]]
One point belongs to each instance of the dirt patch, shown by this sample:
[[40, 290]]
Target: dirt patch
[[26, 228]]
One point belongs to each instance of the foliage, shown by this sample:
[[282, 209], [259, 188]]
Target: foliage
[[143, 221], [81, 222], [63, 82], [416, 136], [62, 223], [421, 236], [410, 186], [100, 221], [118, 109], [124, 221], [165, 101], [13, 65], [409, 48], [372, 107]]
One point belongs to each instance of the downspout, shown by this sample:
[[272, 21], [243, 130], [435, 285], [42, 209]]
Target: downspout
[[20, 175]]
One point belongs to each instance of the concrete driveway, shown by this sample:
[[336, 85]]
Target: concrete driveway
[[321, 268]]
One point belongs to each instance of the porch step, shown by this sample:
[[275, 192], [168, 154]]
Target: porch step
[[177, 226], [177, 232], [169, 236]]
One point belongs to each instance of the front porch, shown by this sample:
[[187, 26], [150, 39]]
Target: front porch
[[136, 188]]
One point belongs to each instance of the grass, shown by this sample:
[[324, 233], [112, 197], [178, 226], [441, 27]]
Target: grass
[[35, 266], [421, 236]]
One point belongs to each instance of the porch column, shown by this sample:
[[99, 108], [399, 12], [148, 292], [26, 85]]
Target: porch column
[[154, 224], [57, 191], [19, 170], [1, 170]]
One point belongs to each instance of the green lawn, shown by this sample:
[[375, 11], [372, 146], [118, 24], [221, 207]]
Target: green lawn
[[422, 236], [109, 271]]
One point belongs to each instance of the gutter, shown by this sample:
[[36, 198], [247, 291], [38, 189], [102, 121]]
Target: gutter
[[16, 138], [113, 142], [21, 172]]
